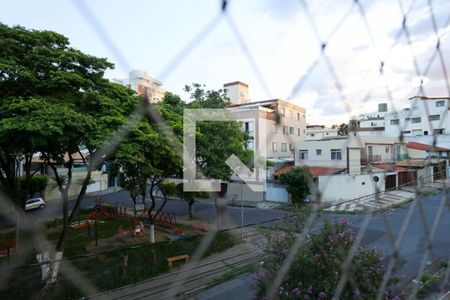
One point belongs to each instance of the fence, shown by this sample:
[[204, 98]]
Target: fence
[[420, 67]]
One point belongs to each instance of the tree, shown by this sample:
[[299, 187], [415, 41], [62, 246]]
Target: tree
[[297, 182], [54, 101], [343, 129], [189, 197], [318, 267], [216, 141]]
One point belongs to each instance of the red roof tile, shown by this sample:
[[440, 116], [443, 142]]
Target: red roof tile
[[315, 171], [424, 147], [388, 167]]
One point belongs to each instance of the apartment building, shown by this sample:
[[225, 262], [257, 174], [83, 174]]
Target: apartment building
[[318, 132], [274, 125], [141, 82], [426, 116]]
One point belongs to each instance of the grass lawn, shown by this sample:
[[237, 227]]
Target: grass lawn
[[104, 271]]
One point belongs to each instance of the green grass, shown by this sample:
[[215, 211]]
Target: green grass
[[104, 271]]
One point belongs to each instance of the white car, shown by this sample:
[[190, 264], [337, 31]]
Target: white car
[[34, 203]]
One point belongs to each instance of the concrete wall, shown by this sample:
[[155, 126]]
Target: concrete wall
[[337, 188], [99, 179], [237, 191]]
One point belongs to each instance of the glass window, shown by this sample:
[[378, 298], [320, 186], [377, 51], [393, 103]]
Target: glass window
[[416, 120], [394, 122], [283, 147], [434, 117], [282, 112], [249, 126], [318, 152], [407, 119], [250, 145], [298, 116], [440, 103], [439, 131], [291, 130], [299, 131], [387, 149], [274, 146], [336, 154], [285, 130], [303, 154]]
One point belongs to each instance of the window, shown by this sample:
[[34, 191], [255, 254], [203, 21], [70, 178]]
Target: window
[[387, 149], [312, 134], [439, 131], [318, 152], [407, 119], [274, 146], [290, 114], [425, 132], [298, 116], [282, 112], [336, 154], [274, 128], [406, 132], [249, 126], [417, 132], [303, 154], [250, 145], [299, 131], [283, 147], [440, 103], [291, 130], [394, 122], [434, 117], [291, 147], [416, 120], [285, 130]]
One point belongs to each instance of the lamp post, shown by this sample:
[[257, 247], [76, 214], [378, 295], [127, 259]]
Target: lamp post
[[242, 212]]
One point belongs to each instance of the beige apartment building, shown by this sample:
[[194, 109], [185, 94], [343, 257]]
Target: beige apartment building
[[141, 82], [275, 125]]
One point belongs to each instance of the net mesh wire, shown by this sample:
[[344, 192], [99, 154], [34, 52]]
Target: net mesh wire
[[395, 233]]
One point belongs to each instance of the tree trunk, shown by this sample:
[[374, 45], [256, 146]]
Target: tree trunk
[[152, 233], [190, 210], [49, 266]]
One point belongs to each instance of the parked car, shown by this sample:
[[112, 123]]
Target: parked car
[[33, 203]]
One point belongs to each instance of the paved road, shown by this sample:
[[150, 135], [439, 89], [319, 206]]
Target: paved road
[[203, 209], [411, 250]]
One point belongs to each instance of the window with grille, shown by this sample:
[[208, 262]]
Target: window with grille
[[336, 154], [416, 120]]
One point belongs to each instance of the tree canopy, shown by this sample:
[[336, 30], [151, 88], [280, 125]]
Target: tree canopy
[[297, 182]]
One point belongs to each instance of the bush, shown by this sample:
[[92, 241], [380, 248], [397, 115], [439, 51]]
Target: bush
[[317, 267], [297, 182]]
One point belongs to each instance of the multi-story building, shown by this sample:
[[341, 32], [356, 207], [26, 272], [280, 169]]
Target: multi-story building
[[273, 125], [370, 124], [142, 82], [318, 132], [425, 116]]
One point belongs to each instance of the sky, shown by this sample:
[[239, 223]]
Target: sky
[[271, 45]]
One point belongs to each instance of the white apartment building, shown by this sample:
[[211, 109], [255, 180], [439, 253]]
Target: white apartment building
[[318, 132], [140, 81], [370, 124], [425, 116], [275, 125]]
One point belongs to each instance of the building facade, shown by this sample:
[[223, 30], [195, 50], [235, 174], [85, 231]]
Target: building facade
[[141, 82], [318, 132], [274, 127]]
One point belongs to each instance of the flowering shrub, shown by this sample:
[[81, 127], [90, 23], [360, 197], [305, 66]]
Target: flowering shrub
[[317, 267]]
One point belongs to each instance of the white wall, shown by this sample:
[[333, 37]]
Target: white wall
[[323, 160], [337, 188]]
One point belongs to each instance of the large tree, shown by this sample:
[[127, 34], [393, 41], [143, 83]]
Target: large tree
[[54, 101], [297, 182]]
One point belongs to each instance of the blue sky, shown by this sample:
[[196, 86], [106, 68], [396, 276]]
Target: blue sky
[[278, 36]]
